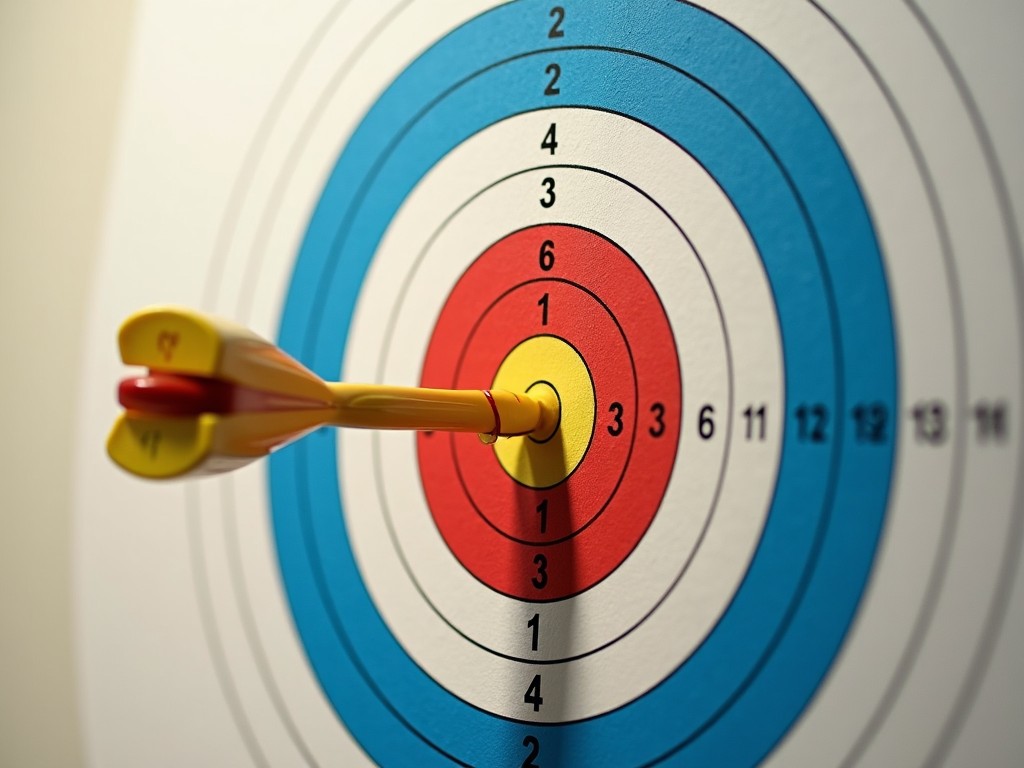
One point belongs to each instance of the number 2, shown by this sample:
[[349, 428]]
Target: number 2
[[556, 72], [558, 14], [812, 422], [534, 745]]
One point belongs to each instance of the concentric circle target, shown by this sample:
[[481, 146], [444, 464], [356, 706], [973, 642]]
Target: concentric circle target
[[830, 490], [759, 269]]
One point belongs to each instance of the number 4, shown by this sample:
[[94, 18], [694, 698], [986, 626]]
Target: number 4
[[532, 695], [550, 142]]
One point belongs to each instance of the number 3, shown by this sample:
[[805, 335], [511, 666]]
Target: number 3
[[549, 192], [541, 579], [616, 427]]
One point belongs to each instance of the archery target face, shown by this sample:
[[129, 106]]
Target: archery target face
[[762, 269]]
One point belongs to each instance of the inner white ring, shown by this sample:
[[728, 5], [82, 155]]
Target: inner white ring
[[630, 666], [621, 600]]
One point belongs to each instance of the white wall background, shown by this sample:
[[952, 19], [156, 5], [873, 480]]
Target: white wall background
[[61, 65]]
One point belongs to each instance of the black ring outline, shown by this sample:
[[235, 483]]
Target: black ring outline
[[954, 495], [558, 422], [590, 441], [836, 443], [1015, 535], [607, 501], [225, 234], [378, 460], [1012, 548]]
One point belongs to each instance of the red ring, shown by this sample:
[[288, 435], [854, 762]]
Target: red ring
[[552, 571]]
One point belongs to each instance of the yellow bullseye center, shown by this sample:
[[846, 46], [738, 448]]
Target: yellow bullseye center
[[551, 370]]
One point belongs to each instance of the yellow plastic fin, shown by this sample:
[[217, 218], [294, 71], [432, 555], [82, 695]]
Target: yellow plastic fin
[[168, 447], [189, 342]]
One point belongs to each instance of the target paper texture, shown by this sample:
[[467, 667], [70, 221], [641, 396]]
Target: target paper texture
[[770, 248]]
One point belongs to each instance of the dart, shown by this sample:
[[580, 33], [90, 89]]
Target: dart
[[217, 396]]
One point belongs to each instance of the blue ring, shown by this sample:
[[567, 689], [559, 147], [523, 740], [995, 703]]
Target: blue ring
[[766, 145]]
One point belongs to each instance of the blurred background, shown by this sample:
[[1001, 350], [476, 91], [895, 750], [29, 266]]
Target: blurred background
[[61, 67]]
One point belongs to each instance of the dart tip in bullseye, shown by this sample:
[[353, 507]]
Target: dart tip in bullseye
[[217, 396]]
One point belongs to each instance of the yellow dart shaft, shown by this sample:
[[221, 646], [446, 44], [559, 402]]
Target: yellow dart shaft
[[157, 446], [495, 412]]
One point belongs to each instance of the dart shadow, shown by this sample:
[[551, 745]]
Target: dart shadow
[[552, 573]]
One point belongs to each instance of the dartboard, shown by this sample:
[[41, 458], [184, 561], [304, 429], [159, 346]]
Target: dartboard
[[764, 257]]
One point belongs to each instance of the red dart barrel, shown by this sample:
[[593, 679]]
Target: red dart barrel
[[169, 394]]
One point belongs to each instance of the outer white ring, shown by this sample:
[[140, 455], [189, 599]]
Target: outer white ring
[[853, 718], [626, 669], [316, 118]]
